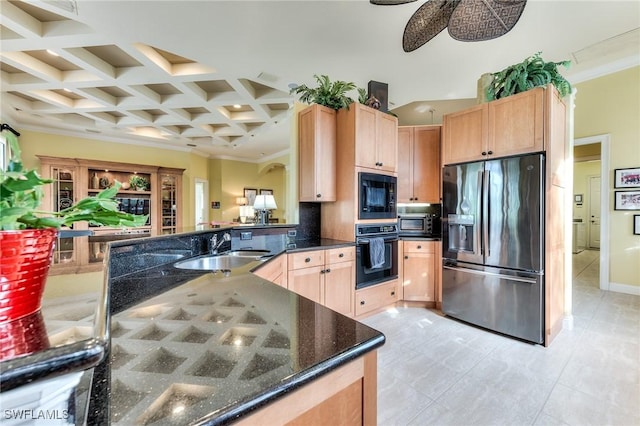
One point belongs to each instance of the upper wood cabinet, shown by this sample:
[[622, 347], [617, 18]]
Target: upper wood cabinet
[[419, 164], [508, 126], [317, 153], [373, 134]]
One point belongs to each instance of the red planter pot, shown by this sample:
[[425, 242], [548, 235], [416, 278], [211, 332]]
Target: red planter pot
[[25, 257]]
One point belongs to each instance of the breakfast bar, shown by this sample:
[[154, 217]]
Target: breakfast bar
[[189, 346]]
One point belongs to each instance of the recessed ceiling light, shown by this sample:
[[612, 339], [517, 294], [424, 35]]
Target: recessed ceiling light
[[51, 52], [237, 106]]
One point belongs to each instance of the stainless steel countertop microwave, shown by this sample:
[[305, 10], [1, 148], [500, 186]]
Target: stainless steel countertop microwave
[[419, 221]]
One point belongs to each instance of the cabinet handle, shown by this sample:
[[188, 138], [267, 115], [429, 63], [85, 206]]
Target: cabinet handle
[[419, 247], [393, 293], [362, 302], [328, 270], [322, 271], [406, 257], [381, 164], [318, 195], [341, 255], [307, 260], [490, 152], [484, 152]]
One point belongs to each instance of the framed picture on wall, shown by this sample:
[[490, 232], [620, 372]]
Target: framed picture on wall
[[636, 224], [627, 200], [250, 195], [266, 191], [626, 178]]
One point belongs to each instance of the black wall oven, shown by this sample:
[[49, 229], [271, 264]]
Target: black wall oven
[[366, 275], [376, 196]]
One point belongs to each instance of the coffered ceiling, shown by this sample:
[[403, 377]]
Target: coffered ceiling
[[214, 76]]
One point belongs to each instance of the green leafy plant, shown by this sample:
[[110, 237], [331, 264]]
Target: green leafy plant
[[329, 94], [530, 73], [21, 194], [362, 95], [137, 181]]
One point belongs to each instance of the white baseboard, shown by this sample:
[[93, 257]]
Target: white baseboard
[[625, 288]]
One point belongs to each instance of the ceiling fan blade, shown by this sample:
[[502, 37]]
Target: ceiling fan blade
[[478, 20], [431, 18], [390, 2]]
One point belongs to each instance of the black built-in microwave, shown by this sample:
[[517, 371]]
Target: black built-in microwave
[[377, 196]]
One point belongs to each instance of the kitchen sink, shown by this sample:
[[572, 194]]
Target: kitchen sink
[[225, 261]]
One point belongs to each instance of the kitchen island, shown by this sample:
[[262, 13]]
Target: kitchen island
[[197, 347]]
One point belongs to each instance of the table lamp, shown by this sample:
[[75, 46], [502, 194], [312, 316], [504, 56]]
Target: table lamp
[[263, 204]]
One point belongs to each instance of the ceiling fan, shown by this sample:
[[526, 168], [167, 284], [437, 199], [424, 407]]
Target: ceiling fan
[[467, 20]]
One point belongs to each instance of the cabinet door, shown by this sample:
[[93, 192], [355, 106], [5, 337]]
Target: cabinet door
[[419, 270], [419, 277], [307, 282], [426, 164], [465, 135], [387, 142], [374, 298], [339, 287], [405, 164], [317, 153], [516, 124], [169, 203], [365, 134]]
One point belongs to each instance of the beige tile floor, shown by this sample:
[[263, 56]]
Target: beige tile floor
[[437, 371]]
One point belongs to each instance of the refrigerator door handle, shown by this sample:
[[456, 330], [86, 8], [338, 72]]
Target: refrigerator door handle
[[508, 277], [487, 222], [478, 229]]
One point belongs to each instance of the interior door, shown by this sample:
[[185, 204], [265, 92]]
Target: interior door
[[201, 202], [594, 212]]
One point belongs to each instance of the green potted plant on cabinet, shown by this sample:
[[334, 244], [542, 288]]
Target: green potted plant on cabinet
[[530, 73], [330, 94], [28, 233]]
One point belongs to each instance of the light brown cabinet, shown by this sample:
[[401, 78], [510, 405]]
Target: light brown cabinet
[[419, 164], [317, 153], [324, 276], [274, 270], [370, 300], [75, 179], [508, 126], [373, 134], [419, 271]]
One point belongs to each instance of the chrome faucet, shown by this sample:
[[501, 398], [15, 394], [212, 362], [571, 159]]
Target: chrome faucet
[[215, 244]]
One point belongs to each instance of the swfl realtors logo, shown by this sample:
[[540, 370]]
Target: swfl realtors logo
[[35, 414]]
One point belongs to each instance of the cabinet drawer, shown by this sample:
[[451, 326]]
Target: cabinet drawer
[[375, 297], [420, 246], [342, 254], [306, 259]]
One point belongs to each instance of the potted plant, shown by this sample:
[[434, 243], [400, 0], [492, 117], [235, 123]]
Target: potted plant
[[330, 94], [27, 233], [139, 183], [530, 73]]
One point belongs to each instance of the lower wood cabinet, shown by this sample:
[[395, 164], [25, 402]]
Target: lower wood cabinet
[[372, 299], [346, 396], [419, 271], [324, 276], [275, 270]]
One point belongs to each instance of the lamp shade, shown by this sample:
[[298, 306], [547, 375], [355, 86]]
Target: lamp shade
[[264, 202]]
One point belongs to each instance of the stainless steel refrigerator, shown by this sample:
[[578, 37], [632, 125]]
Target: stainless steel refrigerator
[[492, 245]]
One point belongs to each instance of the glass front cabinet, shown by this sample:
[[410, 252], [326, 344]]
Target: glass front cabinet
[[151, 190]]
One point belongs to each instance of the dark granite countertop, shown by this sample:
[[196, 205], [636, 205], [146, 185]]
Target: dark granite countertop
[[218, 346], [158, 312]]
